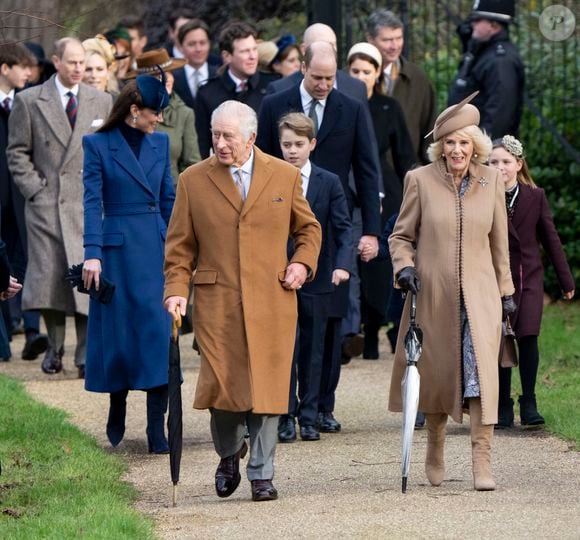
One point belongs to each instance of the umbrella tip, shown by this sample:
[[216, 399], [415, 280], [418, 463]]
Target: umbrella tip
[[404, 485]]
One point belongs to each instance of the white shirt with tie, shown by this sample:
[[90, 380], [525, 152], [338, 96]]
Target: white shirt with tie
[[246, 170], [305, 174], [63, 91], [9, 95], [307, 100], [202, 77], [238, 82]]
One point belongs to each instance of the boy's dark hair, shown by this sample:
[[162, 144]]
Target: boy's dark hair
[[232, 31], [133, 22], [13, 54], [194, 24], [299, 123], [181, 13]]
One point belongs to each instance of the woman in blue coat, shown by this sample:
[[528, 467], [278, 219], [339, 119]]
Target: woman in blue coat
[[128, 199]]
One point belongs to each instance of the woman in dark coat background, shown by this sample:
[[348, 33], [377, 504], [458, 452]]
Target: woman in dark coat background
[[394, 142], [128, 201], [530, 224]]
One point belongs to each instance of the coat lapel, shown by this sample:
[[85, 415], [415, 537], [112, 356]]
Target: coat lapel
[[313, 186], [522, 206], [260, 177], [220, 175], [125, 158], [51, 108], [331, 115]]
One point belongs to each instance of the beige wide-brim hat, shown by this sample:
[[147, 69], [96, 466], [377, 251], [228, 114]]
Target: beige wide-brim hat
[[148, 61], [456, 117]]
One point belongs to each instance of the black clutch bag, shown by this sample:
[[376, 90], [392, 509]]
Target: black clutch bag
[[74, 277]]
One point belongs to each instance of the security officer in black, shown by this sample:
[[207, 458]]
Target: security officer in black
[[492, 65]]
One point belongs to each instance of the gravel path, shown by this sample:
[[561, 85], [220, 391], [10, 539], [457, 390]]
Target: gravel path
[[346, 485]]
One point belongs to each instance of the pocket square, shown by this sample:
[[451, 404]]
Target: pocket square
[[277, 199], [97, 122]]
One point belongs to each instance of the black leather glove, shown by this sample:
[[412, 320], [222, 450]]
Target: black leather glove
[[508, 306], [408, 280]]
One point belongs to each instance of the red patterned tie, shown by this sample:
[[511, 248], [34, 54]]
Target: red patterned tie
[[71, 109]]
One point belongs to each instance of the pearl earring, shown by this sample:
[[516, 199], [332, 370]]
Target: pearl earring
[[475, 155], [134, 120]]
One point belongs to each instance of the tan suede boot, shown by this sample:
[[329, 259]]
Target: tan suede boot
[[434, 462], [481, 437]]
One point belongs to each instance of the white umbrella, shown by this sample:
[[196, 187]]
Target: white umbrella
[[410, 386]]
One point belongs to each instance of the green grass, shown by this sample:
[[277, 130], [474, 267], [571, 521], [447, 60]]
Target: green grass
[[56, 482], [558, 386]]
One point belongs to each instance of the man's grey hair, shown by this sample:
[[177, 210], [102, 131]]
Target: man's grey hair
[[382, 18], [236, 109], [61, 44]]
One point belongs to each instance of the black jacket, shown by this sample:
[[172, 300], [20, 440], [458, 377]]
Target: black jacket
[[495, 68], [342, 142], [218, 90]]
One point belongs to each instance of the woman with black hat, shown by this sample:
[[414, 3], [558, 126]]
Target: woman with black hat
[[450, 246], [128, 200]]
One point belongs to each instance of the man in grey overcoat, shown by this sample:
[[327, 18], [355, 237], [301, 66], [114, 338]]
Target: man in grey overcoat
[[45, 158]]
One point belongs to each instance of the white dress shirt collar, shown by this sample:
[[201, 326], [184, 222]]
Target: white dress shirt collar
[[63, 91], [190, 77], [307, 99], [305, 172], [238, 82], [10, 95]]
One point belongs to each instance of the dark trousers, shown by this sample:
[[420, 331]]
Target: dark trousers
[[529, 360], [308, 357], [55, 322], [331, 363]]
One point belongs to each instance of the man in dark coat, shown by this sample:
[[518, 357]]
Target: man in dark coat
[[343, 82], [195, 44], [15, 69], [403, 80], [342, 144], [493, 66], [240, 81]]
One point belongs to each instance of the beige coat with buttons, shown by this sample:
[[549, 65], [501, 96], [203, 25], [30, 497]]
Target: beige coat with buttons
[[45, 158], [457, 246], [243, 319]]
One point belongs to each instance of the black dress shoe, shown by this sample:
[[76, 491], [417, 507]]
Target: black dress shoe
[[263, 490], [52, 362], [327, 423], [286, 429], [227, 475], [353, 345], [81, 372], [35, 344], [419, 420], [309, 433]]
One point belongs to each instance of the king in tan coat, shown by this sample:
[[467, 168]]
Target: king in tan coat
[[230, 225]]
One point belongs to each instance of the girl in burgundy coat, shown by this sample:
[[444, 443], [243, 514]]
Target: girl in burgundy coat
[[530, 224]]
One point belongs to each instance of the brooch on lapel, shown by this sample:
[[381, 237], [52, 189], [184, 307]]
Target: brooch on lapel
[[483, 181]]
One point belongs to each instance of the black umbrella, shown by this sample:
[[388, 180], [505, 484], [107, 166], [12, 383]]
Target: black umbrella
[[174, 419]]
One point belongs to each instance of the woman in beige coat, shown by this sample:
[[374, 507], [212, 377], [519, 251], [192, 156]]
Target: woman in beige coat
[[450, 245]]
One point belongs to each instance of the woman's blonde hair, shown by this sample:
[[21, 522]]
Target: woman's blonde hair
[[514, 147], [481, 144]]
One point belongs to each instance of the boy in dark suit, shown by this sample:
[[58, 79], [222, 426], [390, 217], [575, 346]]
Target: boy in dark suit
[[323, 191]]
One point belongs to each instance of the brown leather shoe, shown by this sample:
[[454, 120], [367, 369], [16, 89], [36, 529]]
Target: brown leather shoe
[[263, 490], [227, 475], [52, 362]]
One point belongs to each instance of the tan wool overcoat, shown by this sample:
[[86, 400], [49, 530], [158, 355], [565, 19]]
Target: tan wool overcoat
[[244, 320], [458, 246]]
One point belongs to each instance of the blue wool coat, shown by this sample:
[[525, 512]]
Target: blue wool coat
[[127, 204]]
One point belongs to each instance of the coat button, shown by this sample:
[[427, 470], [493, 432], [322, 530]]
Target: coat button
[[152, 207], [61, 201]]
